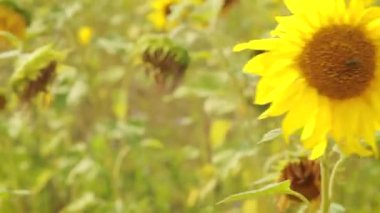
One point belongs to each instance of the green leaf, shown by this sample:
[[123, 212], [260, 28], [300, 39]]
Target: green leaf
[[79, 205], [271, 135], [268, 190], [15, 41], [9, 54], [337, 208], [152, 143]]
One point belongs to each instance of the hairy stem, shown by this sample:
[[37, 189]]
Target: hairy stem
[[325, 197], [333, 175]]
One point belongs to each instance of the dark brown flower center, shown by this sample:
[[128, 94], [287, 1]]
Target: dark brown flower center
[[339, 61]]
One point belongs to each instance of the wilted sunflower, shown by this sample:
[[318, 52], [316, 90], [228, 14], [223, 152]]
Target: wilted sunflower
[[305, 178], [35, 72], [167, 60], [13, 20], [161, 10], [322, 69]]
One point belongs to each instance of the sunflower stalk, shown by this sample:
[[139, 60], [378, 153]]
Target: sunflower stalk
[[325, 197], [333, 175]]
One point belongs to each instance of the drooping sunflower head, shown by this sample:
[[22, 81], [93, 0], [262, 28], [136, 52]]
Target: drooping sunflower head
[[160, 15], [35, 71], [321, 69], [13, 20], [305, 178], [166, 60]]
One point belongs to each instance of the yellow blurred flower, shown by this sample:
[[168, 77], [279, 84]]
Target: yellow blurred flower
[[13, 21], [85, 34], [161, 10], [218, 131], [321, 68], [193, 197], [249, 206]]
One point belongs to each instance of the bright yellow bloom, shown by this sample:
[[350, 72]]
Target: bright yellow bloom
[[85, 34], [218, 131], [161, 12], [163, 16], [322, 68], [11, 21]]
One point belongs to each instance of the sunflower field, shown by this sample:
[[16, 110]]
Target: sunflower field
[[193, 106]]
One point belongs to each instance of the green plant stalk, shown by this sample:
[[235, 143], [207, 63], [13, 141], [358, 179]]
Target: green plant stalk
[[333, 175], [325, 197]]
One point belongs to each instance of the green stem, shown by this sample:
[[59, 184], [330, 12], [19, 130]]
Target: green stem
[[332, 176], [325, 204]]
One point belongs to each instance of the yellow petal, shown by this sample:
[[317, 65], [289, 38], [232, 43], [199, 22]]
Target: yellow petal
[[284, 102], [367, 127], [351, 145], [320, 125], [340, 6], [309, 128], [298, 115], [342, 124], [318, 150], [257, 64], [356, 10], [332, 11], [261, 44], [294, 29], [299, 6], [269, 88], [370, 15]]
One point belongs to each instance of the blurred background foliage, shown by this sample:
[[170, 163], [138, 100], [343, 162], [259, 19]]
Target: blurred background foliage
[[112, 140]]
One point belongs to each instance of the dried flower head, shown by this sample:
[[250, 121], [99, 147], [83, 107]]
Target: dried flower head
[[167, 61], [35, 71], [305, 178]]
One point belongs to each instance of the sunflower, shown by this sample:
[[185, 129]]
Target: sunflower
[[168, 14], [161, 10], [35, 71], [305, 178], [167, 60], [321, 69], [13, 20]]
